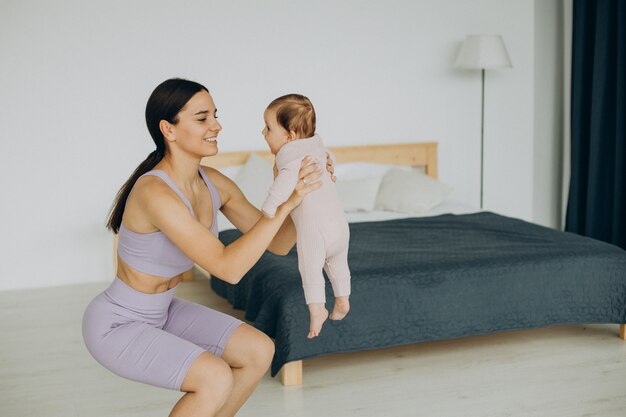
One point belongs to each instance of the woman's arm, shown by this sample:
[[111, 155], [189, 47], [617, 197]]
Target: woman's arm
[[244, 215], [166, 212]]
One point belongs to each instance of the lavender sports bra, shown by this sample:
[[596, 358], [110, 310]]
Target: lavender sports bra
[[153, 253]]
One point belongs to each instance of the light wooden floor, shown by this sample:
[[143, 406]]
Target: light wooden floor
[[567, 371]]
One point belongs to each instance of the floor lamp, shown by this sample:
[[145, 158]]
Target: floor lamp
[[483, 52]]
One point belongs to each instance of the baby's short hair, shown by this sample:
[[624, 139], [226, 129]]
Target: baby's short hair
[[295, 112]]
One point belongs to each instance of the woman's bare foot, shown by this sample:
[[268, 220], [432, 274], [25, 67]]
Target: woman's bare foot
[[318, 314], [342, 306]]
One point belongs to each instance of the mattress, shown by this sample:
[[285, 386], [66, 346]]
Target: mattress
[[437, 277]]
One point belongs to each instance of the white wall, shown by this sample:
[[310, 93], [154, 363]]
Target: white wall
[[548, 102], [76, 76]]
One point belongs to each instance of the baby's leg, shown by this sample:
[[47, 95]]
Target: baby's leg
[[311, 255], [336, 268]]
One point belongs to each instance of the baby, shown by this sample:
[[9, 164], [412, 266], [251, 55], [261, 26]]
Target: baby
[[321, 225]]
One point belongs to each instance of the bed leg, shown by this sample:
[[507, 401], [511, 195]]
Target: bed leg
[[291, 374], [622, 331]]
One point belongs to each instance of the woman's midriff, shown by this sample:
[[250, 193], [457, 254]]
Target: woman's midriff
[[146, 283]]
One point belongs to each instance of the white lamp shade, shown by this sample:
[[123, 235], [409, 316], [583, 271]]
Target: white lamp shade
[[483, 52]]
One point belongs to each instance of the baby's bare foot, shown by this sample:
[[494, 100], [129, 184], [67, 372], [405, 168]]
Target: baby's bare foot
[[342, 306], [318, 315]]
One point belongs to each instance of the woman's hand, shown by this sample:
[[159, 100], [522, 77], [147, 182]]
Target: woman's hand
[[330, 167], [307, 182]]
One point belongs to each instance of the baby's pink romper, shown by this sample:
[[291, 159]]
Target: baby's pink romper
[[321, 225]]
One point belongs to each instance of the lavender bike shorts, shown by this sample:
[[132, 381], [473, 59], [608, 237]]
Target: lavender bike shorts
[[152, 338]]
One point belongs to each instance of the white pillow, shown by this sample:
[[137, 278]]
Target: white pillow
[[255, 179], [410, 192], [358, 194], [231, 172], [358, 170]]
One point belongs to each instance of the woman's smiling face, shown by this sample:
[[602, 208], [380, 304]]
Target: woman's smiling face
[[197, 127]]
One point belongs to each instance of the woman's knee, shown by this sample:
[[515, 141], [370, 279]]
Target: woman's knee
[[209, 376], [261, 352], [249, 348]]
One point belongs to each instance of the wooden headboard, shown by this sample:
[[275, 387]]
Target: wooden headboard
[[414, 154]]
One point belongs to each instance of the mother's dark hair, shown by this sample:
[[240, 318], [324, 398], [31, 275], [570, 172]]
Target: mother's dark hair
[[165, 102]]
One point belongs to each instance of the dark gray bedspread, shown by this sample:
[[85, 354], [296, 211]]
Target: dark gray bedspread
[[440, 277]]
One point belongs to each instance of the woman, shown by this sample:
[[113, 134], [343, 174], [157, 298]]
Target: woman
[[166, 217]]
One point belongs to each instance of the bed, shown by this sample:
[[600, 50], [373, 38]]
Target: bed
[[450, 272]]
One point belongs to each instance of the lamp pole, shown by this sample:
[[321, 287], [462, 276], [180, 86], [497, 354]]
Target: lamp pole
[[482, 135], [483, 52]]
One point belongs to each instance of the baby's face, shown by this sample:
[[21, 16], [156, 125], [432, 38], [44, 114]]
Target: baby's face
[[275, 135]]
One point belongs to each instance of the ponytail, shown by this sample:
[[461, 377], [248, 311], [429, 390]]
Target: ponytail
[[165, 102], [117, 210]]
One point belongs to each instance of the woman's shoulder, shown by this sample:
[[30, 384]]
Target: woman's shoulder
[[149, 182], [149, 195], [220, 180], [210, 171], [225, 186], [151, 188]]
